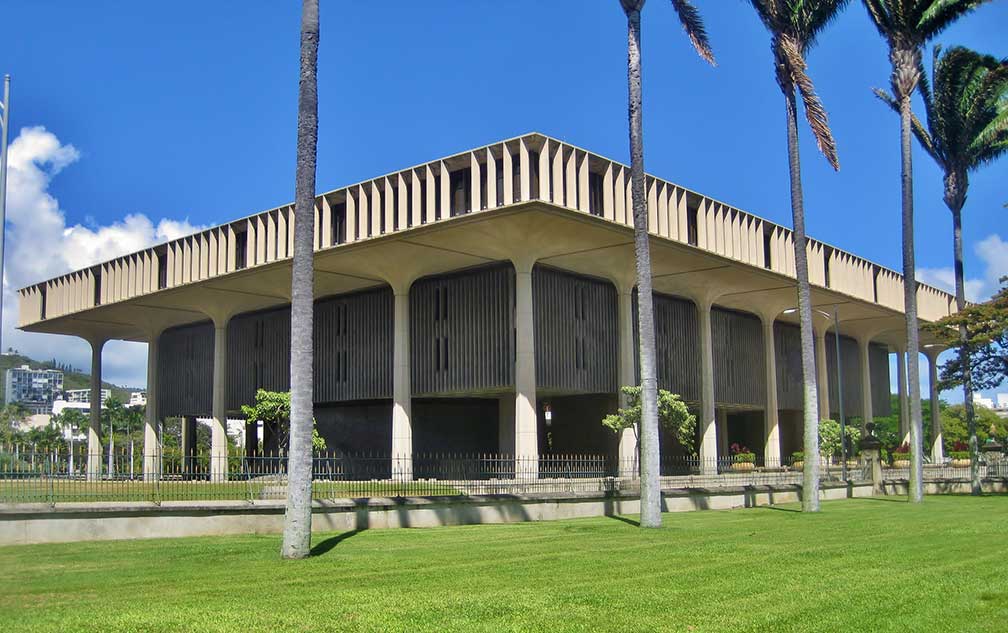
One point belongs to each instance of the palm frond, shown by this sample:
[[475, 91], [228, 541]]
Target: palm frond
[[922, 134], [815, 112], [692, 23], [937, 15]]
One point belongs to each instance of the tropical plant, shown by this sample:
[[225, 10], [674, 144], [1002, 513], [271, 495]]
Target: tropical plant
[[987, 326], [906, 26], [966, 105], [673, 415], [297, 518], [650, 496], [741, 454], [274, 408], [794, 26], [830, 444]]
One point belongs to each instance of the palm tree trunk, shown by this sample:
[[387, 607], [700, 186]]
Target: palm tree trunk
[[810, 473], [650, 496], [964, 357], [910, 306], [297, 520]]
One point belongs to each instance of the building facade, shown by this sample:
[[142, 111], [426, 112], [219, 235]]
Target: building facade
[[459, 300], [84, 395], [35, 389]]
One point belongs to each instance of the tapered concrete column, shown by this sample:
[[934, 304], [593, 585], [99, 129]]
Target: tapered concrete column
[[94, 461], [218, 430], [526, 424], [706, 423], [152, 421], [629, 462], [721, 422], [938, 443], [822, 374], [402, 427], [771, 424], [866, 403], [901, 386]]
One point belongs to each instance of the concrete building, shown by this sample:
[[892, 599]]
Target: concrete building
[[458, 299], [35, 389], [84, 395], [137, 399]]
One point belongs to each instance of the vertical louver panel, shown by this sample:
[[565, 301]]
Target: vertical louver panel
[[185, 370], [878, 364], [258, 355], [677, 346], [787, 340], [851, 367], [739, 362], [576, 332], [353, 346], [462, 332]]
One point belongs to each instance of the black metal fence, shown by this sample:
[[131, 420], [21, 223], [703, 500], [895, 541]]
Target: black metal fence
[[35, 475]]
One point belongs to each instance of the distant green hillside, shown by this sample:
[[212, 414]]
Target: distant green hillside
[[71, 379]]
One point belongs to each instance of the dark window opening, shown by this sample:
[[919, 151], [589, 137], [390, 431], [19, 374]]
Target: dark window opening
[[500, 184], [96, 273], [875, 275], [436, 211], [533, 175], [338, 219], [395, 209], [483, 186], [460, 185], [423, 201], [827, 255], [767, 247], [42, 302], [162, 271], [409, 204], [241, 249], [595, 193], [515, 179], [692, 220]]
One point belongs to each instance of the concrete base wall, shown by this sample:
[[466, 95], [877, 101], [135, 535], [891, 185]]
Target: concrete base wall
[[38, 523], [945, 487]]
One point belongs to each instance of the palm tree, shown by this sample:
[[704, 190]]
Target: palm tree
[[650, 495], [906, 26], [794, 26], [297, 519], [967, 127]]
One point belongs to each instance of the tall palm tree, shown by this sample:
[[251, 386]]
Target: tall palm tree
[[794, 26], [297, 519], [650, 495], [967, 127], [906, 26]]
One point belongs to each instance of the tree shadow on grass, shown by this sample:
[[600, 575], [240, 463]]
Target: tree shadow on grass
[[328, 544], [780, 509], [626, 520], [888, 499]]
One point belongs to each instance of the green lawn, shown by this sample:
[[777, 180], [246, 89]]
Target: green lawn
[[861, 565]]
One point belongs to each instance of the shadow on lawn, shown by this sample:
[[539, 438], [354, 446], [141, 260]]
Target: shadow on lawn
[[888, 499], [624, 520], [327, 545], [780, 509]]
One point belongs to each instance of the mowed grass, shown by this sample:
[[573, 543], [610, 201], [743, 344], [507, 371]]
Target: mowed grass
[[859, 565]]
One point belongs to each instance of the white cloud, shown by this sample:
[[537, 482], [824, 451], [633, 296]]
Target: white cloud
[[993, 252], [41, 245]]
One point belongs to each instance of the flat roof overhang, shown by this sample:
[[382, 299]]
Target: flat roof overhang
[[531, 231]]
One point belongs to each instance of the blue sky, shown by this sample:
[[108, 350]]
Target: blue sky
[[186, 111]]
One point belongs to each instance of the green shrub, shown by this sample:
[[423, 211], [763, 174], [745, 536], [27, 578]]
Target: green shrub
[[959, 455], [798, 456], [746, 458]]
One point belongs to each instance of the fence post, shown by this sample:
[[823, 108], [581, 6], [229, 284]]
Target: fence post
[[871, 454]]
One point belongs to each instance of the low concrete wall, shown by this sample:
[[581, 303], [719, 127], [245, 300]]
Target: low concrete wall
[[945, 486], [40, 523]]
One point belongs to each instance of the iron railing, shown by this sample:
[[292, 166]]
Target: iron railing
[[35, 475]]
